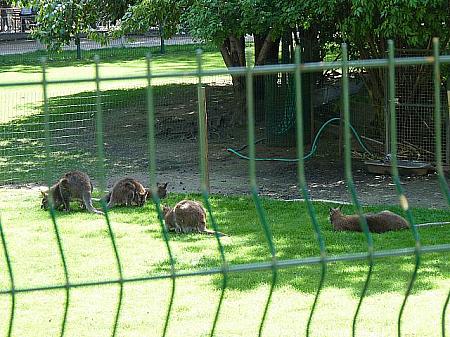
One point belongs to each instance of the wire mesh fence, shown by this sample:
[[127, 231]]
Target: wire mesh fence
[[69, 122], [27, 50]]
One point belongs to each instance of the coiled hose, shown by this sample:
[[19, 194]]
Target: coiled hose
[[313, 147]]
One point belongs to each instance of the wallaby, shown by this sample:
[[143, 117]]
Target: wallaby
[[377, 222], [187, 216], [161, 191], [73, 185], [129, 192]]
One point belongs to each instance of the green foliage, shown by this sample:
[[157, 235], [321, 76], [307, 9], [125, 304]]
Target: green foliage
[[366, 24], [217, 20], [59, 21], [150, 13]]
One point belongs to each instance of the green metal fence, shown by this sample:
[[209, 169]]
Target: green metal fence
[[275, 264]]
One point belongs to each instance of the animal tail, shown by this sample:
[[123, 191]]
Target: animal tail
[[88, 203], [432, 224], [107, 197], [212, 232]]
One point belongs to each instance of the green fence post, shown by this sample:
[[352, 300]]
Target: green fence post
[[302, 182], [438, 143], [102, 184], [204, 183], [395, 176], [11, 280], [350, 183], [438, 121], [254, 189], [48, 166], [155, 197]]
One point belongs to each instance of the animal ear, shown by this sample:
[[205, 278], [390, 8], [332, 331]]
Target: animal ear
[[340, 207], [165, 185], [44, 194]]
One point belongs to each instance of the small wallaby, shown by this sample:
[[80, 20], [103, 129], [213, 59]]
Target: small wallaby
[[377, 222], [187, 216], [73, 185], [129, 192]]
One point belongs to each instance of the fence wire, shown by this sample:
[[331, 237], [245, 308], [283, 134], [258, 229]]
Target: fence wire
[[275, 264]]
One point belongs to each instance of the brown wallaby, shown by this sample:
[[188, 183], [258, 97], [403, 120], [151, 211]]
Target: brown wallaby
[[161, 191], [129, 192], [186, 217], [377, 222], [73, 185]]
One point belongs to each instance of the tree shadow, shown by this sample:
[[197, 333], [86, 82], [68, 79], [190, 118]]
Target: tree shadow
[[28, 62], [72, 131], [295, 239]]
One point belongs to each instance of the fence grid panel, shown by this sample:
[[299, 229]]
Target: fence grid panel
[[274, 263]]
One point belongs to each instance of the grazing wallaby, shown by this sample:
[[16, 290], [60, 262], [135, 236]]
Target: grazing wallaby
[[73, 185], [377, 222], [161, 191], [129, 191], [186, 217]]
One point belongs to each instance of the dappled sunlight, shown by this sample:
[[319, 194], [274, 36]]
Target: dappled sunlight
[[89, 256]]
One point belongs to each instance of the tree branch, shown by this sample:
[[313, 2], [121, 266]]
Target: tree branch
[[265, 49]]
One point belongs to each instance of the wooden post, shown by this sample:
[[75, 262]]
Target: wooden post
[[387, 123], [447, 128], [311, 107], [341, 129], [205, 137]]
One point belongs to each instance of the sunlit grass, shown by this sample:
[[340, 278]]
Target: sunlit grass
[[87, 245], [19, 100]]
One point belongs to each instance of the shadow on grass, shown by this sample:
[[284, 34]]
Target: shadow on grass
[[28, 61], [294, 239], [72, 127]]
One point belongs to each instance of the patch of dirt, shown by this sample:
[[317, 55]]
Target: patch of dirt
[[177, 163], [125, 136], [178, 152]]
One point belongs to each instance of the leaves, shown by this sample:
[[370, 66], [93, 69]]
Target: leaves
[[364, 24]]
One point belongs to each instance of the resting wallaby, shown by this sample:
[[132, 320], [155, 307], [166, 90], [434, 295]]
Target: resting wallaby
[[129, 191], [377, 222], [73, 185], [187, 216]]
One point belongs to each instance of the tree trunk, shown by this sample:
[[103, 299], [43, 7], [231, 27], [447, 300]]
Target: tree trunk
[[233, 53], [258, 83], [375, 83], [78, 44], [266, 52]]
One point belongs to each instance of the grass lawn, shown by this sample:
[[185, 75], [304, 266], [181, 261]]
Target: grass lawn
[[72, 106], [89, 255], [18, 101]]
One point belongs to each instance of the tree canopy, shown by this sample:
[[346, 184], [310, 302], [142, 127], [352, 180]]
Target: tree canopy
[[364, 24]]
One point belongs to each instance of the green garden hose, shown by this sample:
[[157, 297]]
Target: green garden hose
[[313, 147]]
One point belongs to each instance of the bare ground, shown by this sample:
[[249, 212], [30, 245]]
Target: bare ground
[[177, 157], [178, 164]]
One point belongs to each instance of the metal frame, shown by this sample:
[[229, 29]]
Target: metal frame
[[370, 255]]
